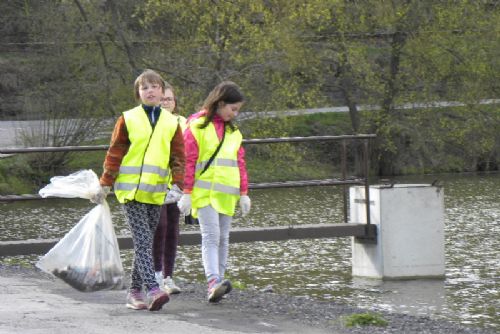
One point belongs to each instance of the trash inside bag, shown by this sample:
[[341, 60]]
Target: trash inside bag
[[87, 257], [91, 279]]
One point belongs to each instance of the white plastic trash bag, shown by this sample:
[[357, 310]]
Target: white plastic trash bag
[[82, 184], [87, 257]]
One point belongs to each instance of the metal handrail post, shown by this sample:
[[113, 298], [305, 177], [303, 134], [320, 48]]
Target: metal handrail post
[[367, 184], [344, 175]]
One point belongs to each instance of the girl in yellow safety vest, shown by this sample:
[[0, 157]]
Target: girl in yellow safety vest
[[215, 179], [145, 152]]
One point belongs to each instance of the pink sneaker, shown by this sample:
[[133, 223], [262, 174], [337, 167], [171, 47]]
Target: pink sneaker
[[135, 300], [157, 298], [216, 290]]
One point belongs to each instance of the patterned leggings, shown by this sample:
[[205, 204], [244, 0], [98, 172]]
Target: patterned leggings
[[142, 220]]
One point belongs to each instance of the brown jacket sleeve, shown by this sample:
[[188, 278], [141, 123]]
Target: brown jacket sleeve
[[118, 147], [177, 158]]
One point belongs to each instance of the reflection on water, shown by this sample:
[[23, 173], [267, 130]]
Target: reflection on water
[[422, 297], [321, 268]]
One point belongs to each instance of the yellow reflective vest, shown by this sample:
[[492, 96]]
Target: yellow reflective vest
[[144, 171], [219, 185]]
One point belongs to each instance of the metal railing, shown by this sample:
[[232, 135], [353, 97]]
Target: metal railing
[[363, 232], [287, 184]]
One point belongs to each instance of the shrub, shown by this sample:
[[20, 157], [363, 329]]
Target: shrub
[[365, 319]]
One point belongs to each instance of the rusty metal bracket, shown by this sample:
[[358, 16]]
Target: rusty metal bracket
[[370, 236]]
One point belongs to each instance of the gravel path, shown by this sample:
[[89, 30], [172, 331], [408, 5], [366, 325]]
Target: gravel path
[[34, 302], [329, 315]]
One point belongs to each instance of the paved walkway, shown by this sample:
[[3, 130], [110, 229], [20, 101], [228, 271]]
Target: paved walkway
[[46, 305]]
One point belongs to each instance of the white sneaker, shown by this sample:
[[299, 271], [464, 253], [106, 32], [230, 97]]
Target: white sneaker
[[170, 287], [159, 278]]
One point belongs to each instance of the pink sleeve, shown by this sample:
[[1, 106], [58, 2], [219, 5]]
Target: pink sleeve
[[191, 150], [243, 171]]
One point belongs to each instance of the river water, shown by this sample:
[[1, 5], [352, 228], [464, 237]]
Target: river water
[[321, 268]]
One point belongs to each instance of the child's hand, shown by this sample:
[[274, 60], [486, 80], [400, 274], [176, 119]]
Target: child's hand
[[184, 204], [245, 205], [173, 195], [101, 195]]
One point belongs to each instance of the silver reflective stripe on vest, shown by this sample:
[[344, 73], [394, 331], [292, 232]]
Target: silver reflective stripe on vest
[[226, 162], [218, 162], [145, 169], [155, 170], [153, 189], [200, 165], [129, 170], [218, 187], [125, 186], [142, 186]]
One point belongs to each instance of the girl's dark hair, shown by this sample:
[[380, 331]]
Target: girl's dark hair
[[227, 92]]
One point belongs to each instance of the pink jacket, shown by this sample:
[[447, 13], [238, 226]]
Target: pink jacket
[[191, 151]]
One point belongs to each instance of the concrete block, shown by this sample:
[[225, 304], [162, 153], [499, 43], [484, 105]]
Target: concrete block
[[410, 231]]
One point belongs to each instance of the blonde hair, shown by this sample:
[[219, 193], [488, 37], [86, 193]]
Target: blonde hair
[[148, 76]]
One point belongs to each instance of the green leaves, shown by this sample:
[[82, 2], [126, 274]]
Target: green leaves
[[365, 319], [285, 54]]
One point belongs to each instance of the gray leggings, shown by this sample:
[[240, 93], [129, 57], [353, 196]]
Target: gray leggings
[[214, 228], [142, 220]]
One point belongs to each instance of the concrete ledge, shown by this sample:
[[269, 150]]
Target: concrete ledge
[[38, 246]]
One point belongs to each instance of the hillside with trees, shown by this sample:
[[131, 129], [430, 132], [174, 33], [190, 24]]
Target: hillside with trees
[[77, 59]]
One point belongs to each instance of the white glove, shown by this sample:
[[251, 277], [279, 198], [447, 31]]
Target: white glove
[[101, 195], [184, 204], [245, 205], [173, 195]]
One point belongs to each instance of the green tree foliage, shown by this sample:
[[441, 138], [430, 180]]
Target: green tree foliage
[[78, 59], [223, 40]]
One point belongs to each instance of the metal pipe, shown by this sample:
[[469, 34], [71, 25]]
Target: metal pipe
[[53, 149], [344, 175], [367, 184], [186, 238], [265, 185], [245, 141], [310, 138]]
